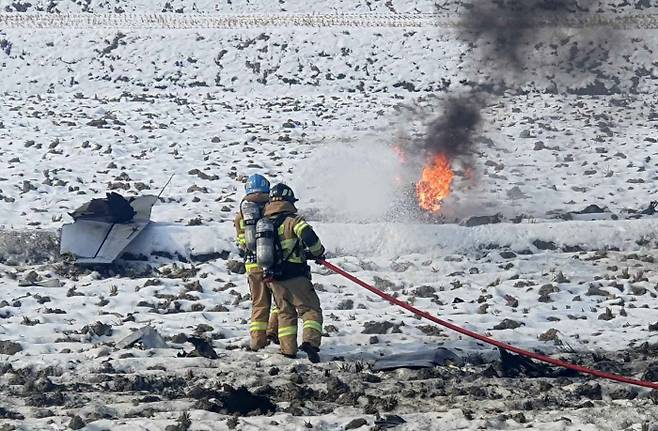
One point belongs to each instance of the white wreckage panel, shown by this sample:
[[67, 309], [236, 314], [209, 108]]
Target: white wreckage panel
[[90, 241]]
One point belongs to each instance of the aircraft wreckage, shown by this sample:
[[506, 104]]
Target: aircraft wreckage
[[103, 228]]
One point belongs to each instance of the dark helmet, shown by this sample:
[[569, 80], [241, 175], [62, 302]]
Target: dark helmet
[[281, 192]]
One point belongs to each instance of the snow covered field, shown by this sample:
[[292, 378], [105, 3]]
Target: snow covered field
[[573, 125]]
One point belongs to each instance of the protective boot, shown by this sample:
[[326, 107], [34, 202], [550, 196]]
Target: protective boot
[[313, 332], [311, 352], [257, 340], [288, 345]]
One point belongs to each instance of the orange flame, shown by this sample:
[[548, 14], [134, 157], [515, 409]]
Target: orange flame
[[434, 184]]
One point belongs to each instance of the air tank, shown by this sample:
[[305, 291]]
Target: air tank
[[265, 243], [251, 213]]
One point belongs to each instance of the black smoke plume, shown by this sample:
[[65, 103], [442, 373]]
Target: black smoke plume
[[452, 133], [519, 46], [504, 27], [512, 43]]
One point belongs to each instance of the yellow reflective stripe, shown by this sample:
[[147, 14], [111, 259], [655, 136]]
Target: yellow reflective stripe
[[287, 331], [257, 326], [281, 230], [299, 227], [316, 248], [313, 324], [287, 245], [241, 229], [251, 267]]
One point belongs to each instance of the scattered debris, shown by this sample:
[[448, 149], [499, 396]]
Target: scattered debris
[[482, 220], [591, 209], [512, 365], [8, 414], [147, 336], [508, 324], [421, 359], [76, 423], [356, 423], [31, 278], [202, 348], [231, 401], [98, 329], [388, 421]]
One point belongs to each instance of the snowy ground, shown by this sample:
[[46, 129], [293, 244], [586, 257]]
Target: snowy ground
[[86, 111]]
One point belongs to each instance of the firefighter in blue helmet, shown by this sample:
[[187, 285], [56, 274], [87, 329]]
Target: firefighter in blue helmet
[[263, 325], [289, 276]]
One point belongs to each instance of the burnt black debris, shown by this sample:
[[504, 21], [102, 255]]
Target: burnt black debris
[[231, 401], [114, 208], [8, 414], [512, 365], [202, 348]]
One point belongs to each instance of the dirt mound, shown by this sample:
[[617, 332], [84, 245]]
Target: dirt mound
[[28, 247]]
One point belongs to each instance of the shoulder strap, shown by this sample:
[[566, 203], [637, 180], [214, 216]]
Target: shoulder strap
[[278, 249], [278, 221]]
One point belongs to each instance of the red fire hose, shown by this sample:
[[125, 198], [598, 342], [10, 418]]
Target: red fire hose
[[488, 340]]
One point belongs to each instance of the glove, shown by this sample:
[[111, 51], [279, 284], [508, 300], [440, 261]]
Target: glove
[[310, 256]]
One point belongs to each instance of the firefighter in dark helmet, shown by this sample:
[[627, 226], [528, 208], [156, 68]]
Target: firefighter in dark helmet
[[289, 276], [252, 205]]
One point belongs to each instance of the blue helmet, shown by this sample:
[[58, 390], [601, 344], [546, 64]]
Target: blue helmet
[[257, 184]]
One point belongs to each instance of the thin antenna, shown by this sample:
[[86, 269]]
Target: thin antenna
[[165, 186]]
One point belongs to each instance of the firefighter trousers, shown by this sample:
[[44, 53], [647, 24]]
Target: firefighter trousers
[[296, 298], [264, 314]]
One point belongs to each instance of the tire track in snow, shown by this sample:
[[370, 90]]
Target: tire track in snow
[[213, 21]]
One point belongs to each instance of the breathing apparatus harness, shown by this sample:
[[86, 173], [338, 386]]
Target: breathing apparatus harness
[[269, 251]]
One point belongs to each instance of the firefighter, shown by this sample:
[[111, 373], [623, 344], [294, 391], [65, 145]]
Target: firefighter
[[263, 325], [290, 276]]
